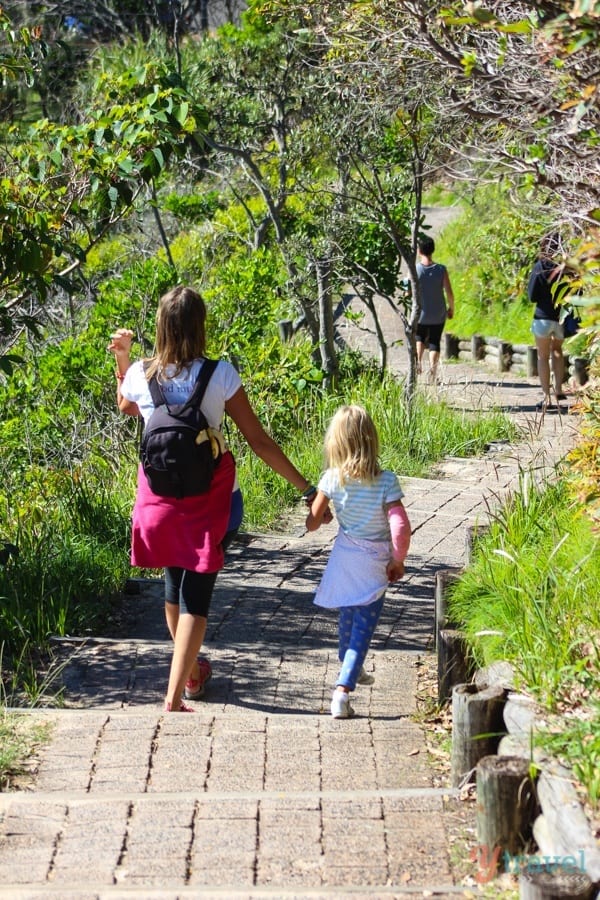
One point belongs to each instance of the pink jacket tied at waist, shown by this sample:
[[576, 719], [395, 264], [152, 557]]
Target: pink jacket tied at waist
[[186, 532]]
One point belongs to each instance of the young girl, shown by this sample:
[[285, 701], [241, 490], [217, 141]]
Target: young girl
[[370, 547]]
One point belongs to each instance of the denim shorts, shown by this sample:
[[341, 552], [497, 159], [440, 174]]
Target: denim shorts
[[545, 328]]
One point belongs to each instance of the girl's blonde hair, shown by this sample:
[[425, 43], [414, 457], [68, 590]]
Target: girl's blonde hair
[[180, 330], [352, 444]]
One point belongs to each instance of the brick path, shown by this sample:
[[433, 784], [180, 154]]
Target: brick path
[[261, 793]]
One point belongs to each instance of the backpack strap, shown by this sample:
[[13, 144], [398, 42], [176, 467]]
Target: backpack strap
[[204, 376], [158, 398], [195, 399]]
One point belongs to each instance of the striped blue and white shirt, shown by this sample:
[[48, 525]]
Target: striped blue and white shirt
[[359, 505]]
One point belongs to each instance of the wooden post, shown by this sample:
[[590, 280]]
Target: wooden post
[[506, 807], [538, 883], [532, 368], [450, 345], [504, 356], [443, 578], [477, 727], [454, 664], [477, 347], [471, 534], [581, 370]]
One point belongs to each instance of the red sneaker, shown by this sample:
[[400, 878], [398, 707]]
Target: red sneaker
[[194, 687]]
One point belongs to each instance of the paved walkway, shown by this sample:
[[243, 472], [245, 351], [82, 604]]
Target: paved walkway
[[261, 793]]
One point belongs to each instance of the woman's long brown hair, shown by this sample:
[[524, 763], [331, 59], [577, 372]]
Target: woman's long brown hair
[[180, 330]]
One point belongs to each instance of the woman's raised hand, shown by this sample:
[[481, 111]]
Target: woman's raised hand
[[120, 341]]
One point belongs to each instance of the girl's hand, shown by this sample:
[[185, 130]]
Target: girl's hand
[[327, 516], [120, 341], [319, 512], [394, 570]]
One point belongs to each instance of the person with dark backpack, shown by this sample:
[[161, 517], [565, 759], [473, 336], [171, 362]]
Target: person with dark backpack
[[549, 282], [188, 502]]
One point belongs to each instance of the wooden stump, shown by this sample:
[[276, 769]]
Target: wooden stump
[[506, 806], [581, 367], [454, 665], [532, 363], [450, 345], [477, 348], [443, 578], [472, 532], [477, 727], [557, 884]]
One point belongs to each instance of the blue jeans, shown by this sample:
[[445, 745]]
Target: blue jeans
[[355, 629]]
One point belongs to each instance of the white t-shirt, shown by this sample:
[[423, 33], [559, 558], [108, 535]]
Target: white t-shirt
[[224, 383]]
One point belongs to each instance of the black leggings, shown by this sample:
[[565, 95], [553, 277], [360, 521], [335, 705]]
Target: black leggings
[[191, 590]]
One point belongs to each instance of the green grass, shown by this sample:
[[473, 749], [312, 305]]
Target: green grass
[[19, 737], [439, 195], [72, 534], [529, 597], [489, 251], [412, 441]]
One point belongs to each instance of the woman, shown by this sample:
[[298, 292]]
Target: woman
[[185, 536], [545, 287]]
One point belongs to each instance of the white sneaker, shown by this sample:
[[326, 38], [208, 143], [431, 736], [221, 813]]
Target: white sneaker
[[365, 678], [340, 705]]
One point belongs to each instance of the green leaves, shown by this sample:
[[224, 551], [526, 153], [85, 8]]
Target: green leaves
[[71, 182], [479, 16]]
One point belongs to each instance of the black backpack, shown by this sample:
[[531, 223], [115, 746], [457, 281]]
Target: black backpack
[[176, 450]]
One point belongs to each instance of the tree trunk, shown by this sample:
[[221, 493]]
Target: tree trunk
[[368, 300], [160, 226], [329, 361]]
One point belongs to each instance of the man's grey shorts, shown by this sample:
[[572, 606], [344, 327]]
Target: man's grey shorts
[[545, 328]]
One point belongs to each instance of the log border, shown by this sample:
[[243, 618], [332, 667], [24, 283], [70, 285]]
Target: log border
[[504, 356]]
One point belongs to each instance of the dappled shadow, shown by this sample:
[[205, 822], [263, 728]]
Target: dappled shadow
[[271, 648]]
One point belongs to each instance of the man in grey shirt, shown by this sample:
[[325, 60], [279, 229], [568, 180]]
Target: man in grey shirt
[[437, 305]]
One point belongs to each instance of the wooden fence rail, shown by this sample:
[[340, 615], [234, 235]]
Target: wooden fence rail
[[503, 356]]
